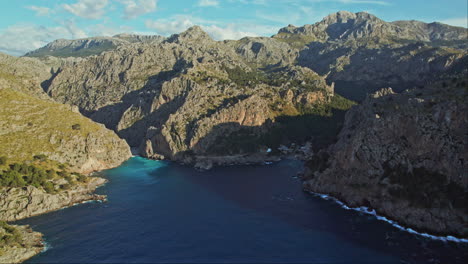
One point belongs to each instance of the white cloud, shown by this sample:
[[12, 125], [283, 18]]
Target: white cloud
[[253, 2], [21, 38], [170, 26], [371, 2], [109, 30], [297, 2], [73, 30], [40, 10], [135, 8], [208, 3], [231, 31], [216, 30], [91, 9], [459, 21]]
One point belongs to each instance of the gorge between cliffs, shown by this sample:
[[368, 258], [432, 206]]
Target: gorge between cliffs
[[369, 112]]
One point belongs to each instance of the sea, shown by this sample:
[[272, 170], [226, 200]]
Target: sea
[[164, 212]]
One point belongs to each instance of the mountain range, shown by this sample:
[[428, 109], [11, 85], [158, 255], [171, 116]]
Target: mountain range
[[198, 101]]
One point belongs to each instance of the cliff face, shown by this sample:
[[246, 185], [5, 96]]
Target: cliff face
[[178, 97], [405, 155], [24, 75], [33, 124], [345, 25], [362, 53]]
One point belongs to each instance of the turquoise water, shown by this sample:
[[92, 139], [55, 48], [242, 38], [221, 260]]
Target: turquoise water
[[161, 212]]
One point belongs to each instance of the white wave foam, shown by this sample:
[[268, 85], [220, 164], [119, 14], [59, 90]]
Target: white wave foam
[[84, 202], [372, 212], [46, 246]]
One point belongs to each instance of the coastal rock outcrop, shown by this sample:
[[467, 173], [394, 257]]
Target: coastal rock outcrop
[[404, 155], [29, 244], [20, 203]]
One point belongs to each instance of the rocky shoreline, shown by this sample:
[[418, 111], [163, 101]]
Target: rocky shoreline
[[20, 203], [387, 218], [32, 245], [265, 157], [403, 155]]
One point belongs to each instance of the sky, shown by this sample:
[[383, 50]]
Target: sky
[[26, 25]]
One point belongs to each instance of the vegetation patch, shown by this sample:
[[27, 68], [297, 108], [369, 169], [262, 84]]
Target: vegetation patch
[[9, 236], [295, 40], [40, 173]]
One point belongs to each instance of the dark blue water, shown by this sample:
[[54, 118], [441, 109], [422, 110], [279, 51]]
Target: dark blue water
[[160, 212]]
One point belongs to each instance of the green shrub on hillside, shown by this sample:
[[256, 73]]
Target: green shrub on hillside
[[22, 175], [9, 235]]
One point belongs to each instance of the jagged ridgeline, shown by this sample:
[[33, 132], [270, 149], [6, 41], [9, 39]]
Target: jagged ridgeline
[[89, 46], [189, 95]]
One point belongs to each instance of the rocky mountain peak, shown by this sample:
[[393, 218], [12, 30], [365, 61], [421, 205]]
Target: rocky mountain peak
[[135, 38], [339, 17], [345, 25], [195, 33]]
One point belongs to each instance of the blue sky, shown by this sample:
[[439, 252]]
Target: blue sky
[[29, 24]]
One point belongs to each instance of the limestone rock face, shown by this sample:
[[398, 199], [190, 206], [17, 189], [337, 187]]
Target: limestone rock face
[[265, 51], [345, 25], [20, 203], [180, 96], [362, 53], [403, 154], [361, 70], [32, 124], [23, 74]]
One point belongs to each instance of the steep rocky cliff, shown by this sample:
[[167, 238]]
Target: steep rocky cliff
[[34, 129], [404, 155], [180, 97], [189, 95], [33, 124], [362, 53], [345, 25]]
